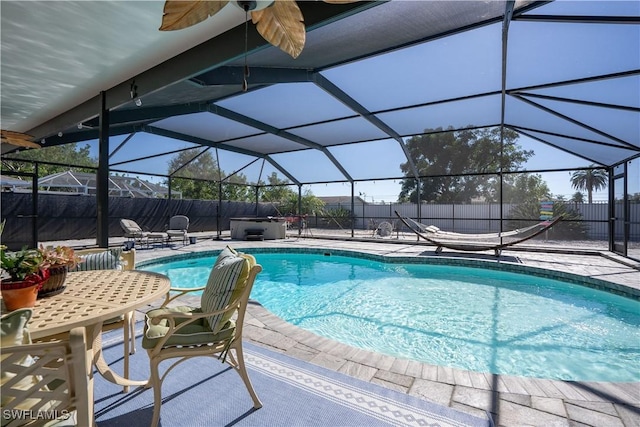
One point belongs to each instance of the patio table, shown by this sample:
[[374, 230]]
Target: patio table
[[91, 298]]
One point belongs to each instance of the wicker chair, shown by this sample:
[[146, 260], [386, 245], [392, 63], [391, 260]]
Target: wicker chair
[[182, 332]]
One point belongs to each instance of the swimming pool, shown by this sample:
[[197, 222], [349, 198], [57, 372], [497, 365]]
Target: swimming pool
[[469, 318]]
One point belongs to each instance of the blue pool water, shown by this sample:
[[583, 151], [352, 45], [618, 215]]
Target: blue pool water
[[468, 318]]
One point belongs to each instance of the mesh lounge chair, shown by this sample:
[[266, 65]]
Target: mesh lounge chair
[[476, 242], [178, 226], [210, 330], [50, 378]]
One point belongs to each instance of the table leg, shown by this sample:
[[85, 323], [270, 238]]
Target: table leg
[[94, 339]]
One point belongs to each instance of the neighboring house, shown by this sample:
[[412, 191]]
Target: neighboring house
[[83, 183], [13, 184]]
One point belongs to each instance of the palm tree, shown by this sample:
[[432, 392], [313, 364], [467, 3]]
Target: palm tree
[[590, 180], [577, 197]]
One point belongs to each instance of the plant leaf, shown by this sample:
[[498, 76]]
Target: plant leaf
[[179, 14], [282, 25]]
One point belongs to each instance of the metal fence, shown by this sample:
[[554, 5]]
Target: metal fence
[[473, 218]]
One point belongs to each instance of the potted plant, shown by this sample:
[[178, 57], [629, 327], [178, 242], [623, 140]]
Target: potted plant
[[23, 273], [57, 260]]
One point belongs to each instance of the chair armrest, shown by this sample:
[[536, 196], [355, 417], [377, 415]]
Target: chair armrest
[[178, 292], [191, 316]]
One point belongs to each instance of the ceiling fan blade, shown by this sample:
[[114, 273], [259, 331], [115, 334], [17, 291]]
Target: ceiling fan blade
[[179, 14], [17, 139], [282, 25], [340, 1]]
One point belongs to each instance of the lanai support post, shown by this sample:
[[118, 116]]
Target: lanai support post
[[102, 181], [299, 210]]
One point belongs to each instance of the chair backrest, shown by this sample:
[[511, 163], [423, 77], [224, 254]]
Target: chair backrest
[[130, 227], [106, 259], [179, 222], [230, 283], [50, 379]]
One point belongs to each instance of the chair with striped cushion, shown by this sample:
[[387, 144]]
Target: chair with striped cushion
[[113, 259], [213, 329]]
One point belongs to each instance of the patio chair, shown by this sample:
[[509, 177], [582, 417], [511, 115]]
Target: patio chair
[[45, 379], [132, 230], [114, 259], [210, 330], [178, 226]]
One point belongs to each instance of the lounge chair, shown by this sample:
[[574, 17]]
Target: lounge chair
[[476, 242], [214, 329], [44, 378], [132, 230], [178, 226]]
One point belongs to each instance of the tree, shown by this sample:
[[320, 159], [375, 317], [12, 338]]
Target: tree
[[68, 156], [590, 180], [456, 166], [196, 174], [276, 190], [237, 188], [577, 197], [311, 205], [524, 188], [199, 164]]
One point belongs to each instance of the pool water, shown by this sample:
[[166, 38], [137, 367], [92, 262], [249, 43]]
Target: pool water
[[468, 318]]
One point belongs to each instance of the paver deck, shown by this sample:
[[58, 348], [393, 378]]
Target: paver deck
[[506, 400]]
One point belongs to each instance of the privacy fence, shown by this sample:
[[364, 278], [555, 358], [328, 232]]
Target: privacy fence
[[63, 217]]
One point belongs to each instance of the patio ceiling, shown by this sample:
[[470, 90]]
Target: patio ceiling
[[566, 75]]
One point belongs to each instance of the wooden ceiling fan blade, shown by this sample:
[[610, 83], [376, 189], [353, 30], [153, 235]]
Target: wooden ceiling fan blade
[[18, 139], [282, 25], [179, 14]]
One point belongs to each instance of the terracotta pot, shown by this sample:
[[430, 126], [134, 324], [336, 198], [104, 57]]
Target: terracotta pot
[[16, 297]]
